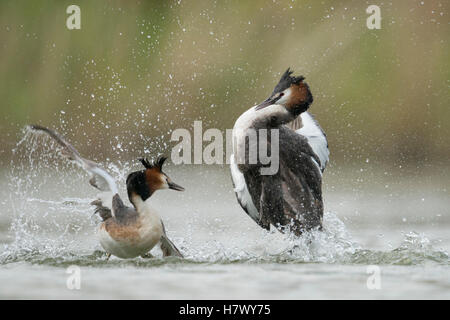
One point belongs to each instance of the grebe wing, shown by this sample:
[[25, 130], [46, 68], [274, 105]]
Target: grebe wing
[[301, 183], [293, 195], [167, 246], [307, 126], [100, 179]]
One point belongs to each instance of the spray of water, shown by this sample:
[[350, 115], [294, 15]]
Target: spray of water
[[53, 223]]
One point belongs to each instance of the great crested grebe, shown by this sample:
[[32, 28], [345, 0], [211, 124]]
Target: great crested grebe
[[291, 197], [126, 232]]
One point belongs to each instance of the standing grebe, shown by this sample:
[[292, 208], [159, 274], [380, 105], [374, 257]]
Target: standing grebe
[[291, 197], [126, 232]]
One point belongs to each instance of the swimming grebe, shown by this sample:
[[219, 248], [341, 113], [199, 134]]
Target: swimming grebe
[[126, 232], [291, 197]]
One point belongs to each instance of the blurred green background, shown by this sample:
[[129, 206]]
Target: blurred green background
[[139, 69]]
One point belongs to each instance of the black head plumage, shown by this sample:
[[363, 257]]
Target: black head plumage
[[286, 81], [158, 163]]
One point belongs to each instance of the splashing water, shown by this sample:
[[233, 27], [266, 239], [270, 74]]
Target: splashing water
[[52, 223]]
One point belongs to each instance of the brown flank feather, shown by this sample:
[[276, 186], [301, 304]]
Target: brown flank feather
[[119, 232]]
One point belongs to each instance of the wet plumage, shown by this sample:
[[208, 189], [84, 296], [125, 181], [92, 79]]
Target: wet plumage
[[292, 197], [126, 232]]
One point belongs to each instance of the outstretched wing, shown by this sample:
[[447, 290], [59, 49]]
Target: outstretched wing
[[100, 179]]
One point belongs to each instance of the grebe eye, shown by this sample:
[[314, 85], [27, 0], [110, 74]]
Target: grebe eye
[[281, 94]]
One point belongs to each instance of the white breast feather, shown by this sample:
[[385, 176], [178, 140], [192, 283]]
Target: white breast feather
[[150, 233]]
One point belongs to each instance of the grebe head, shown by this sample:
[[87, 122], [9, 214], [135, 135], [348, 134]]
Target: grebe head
[[143, 183], [291, 93]]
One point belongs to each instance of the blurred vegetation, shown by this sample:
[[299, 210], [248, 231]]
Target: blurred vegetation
[[139, 69]]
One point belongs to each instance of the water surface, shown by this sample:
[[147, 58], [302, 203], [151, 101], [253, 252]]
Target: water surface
[[373, 217]]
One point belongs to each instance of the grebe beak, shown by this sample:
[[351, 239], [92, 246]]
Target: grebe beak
[[174, 186], [265, 103]]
